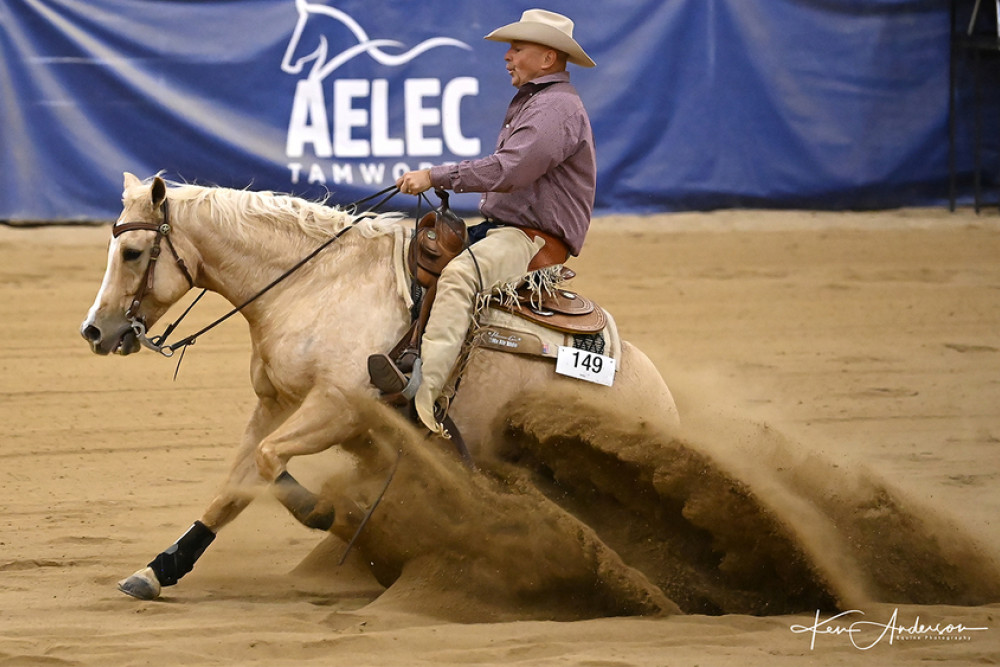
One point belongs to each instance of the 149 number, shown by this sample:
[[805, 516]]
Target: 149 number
[[584, 365]]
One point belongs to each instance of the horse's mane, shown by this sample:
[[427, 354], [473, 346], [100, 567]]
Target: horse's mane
[[315, 219]]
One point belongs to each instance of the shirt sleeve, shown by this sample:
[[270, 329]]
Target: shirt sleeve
[[544, 138]]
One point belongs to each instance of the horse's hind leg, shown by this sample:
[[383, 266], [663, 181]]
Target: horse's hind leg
[[236, 494]]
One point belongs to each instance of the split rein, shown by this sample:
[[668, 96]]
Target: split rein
[[159, 343]]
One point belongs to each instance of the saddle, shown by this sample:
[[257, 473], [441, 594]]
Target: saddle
[[558, 309], [440, 237]]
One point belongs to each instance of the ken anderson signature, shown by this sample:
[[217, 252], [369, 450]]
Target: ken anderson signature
[[866, 634]]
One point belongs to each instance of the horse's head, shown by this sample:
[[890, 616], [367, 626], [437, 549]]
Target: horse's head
[[144, 276]]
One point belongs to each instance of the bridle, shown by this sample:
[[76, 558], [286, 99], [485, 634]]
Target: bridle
[[159, 343], [162, 230]]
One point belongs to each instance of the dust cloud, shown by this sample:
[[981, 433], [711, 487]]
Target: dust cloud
[[580, 513]]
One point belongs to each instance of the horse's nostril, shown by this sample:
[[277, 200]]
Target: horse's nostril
[[92, 333]]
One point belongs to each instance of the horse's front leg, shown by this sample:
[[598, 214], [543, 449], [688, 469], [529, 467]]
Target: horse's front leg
[[239, 489], [323, 420]]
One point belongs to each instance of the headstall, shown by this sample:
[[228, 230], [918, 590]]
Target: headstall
[[162, 230]]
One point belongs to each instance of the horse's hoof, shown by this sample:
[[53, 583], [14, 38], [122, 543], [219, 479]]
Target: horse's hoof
[[142, 585]]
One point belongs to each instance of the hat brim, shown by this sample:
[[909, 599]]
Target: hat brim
[[546, 35]]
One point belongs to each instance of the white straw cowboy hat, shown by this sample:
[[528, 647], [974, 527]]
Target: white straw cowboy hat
[[546, 28]]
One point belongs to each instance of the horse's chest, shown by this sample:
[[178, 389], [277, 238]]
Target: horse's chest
[[284, 377], [288, 374], [280, 377]]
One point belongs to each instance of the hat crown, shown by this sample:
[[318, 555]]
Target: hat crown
[[563, 24]]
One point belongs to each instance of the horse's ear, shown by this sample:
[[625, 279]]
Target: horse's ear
[[158, 192], [130, 180]]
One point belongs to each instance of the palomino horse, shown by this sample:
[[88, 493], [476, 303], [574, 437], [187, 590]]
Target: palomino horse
[[311, 335]]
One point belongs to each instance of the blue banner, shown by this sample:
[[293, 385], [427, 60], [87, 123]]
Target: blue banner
[[694, 103]]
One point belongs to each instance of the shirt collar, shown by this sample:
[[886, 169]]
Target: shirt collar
[[555, 77]]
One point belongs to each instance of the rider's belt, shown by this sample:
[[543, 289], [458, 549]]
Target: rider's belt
[[555, 250]]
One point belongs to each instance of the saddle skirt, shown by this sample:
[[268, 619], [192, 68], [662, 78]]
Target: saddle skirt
[[538, 315], [559, 309]]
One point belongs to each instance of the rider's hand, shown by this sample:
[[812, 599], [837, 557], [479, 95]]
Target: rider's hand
[[414, 182]]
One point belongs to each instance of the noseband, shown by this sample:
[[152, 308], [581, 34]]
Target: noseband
[[146, 285]]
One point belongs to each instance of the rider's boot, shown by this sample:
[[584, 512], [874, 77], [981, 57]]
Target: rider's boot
[[396, 387]]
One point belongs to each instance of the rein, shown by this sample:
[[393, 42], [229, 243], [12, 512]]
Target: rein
[[158, 343]]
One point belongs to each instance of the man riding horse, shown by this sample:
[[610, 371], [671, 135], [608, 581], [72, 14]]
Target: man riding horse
[[540, 185], [538, 193]]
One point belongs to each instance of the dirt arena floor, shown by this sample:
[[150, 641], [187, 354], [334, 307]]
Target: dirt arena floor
[[870, 341]]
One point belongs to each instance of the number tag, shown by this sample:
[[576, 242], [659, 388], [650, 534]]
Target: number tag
[[584, 365]]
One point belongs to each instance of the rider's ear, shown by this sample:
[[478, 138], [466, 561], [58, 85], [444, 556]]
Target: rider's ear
[[158, 192]]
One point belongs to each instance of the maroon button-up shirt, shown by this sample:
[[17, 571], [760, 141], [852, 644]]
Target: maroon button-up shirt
[[543, 173]]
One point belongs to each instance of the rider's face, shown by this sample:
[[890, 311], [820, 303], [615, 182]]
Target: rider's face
[[527, 61]]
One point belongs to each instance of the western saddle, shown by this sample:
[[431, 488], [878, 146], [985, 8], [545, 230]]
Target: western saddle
[[440, 237]]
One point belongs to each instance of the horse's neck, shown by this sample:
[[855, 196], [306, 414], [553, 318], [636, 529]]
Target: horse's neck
[[233, 264], [340, 283]]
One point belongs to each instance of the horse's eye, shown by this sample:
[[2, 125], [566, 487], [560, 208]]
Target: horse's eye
[[131, 254]]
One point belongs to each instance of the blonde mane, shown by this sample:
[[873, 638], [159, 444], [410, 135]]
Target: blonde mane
[[315, 219]]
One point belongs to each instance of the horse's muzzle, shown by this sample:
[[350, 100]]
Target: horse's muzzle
[[122, 342]]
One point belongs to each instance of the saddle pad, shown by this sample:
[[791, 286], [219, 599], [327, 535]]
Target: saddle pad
[[504, 331]]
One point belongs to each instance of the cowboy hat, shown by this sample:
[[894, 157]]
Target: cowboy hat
[[546, 28]]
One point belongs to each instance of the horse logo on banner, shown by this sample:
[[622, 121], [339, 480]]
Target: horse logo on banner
[[310, 13]]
